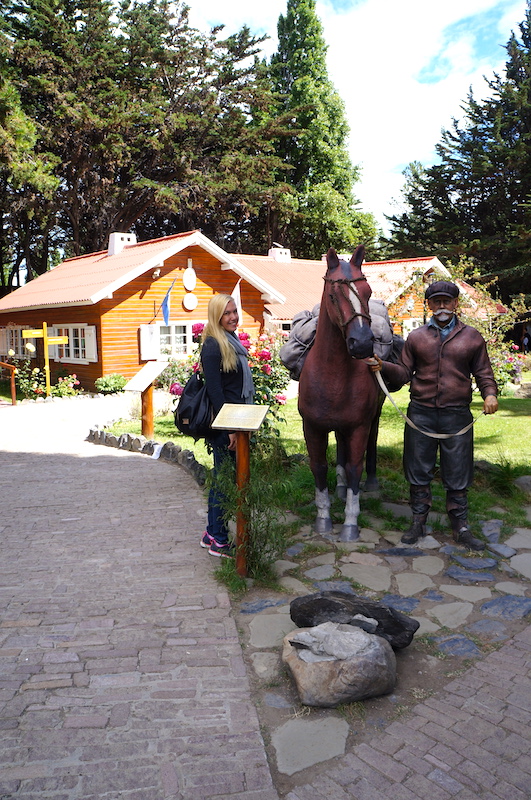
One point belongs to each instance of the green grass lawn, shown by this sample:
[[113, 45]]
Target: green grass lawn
[[501, 437]]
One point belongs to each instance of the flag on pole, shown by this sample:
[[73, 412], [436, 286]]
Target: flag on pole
[[236, 296], [165, 305]]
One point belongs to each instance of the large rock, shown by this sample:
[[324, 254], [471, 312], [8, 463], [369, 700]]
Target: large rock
[[373, 617], [333, 663]]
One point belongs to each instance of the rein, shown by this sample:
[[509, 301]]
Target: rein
[[342, 282], [410, 422]]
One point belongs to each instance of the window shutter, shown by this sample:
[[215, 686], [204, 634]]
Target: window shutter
[[3, 343], [149, 342], [91, 343], [25, 353], [52, 349]]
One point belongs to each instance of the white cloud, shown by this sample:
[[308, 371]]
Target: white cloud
[[381, 55]]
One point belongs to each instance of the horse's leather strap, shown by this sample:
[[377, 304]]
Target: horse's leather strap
[[410, 422]]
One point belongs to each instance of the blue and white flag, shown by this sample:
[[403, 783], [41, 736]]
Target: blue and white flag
[[165, 305]]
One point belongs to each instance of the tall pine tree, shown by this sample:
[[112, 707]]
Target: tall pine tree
[[317, 159], [477, 201]]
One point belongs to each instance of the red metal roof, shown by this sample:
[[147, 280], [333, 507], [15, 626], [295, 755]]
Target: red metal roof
[[84, 280]]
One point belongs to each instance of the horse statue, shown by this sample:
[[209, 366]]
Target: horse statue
[[338, 392]]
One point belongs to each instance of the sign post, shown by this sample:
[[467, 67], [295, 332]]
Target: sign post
[[143, 382], [42, 333], [241, 420]]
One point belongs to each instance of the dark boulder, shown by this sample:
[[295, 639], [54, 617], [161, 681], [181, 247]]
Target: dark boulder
[[349, 609]]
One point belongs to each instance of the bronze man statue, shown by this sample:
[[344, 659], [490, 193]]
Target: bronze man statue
[[438, 361]]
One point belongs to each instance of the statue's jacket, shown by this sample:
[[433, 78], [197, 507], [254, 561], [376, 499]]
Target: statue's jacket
[[440, 369]]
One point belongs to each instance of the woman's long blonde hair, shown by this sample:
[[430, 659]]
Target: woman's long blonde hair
[[216, 308]]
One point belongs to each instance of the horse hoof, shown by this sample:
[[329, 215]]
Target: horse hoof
[[341, 492], [323, 525], [349, 533], [371, 485]]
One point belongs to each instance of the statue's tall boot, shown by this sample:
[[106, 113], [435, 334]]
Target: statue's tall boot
[[457, 508], [420, 503]]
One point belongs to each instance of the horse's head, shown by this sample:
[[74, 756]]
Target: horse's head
[[347, 301]]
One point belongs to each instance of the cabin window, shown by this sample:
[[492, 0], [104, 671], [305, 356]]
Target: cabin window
[[81, 345], [177, 339], [167, 341], [11, 340], [410, 324]]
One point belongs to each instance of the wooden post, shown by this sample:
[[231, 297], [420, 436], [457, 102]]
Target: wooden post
[[242, 479], [13, 388], [241, 419], [12, 369], [147, 412]]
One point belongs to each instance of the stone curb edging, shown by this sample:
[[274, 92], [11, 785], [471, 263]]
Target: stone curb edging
[[169, 451]]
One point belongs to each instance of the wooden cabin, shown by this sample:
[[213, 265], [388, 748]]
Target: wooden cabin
[[110, 304]]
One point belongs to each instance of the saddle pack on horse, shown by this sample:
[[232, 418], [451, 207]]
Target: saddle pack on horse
[[387, 345]]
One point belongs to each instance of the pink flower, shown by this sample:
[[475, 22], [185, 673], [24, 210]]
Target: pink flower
[[281, 399], [515, 347], [198, 328], [196, 367], [266, 369], [264, 355], [176, 388], [243, 336]]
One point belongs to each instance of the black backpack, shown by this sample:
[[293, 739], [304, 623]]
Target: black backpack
[[194, 413]]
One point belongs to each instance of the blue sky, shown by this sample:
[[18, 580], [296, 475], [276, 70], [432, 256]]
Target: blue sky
[[402, 67]]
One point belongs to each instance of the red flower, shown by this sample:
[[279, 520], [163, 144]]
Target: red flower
[[176, 388]]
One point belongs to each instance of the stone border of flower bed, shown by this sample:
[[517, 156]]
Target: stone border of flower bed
[[169, 451]]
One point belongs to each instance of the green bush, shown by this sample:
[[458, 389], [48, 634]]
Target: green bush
[[66, 386], [30, 381], [108, 384]]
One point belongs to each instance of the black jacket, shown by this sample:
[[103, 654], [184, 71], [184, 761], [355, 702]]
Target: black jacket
[[222, 387]]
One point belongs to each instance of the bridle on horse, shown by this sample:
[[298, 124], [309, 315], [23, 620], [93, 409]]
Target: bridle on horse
[[342, 283]]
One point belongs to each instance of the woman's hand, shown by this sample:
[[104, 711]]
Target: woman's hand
[[232, 441]]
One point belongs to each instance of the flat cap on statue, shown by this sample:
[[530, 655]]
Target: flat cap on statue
[[444, 288]]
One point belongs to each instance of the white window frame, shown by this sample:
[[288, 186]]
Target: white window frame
[[410, 324], [156, 341], [11, 339], [82, 344]]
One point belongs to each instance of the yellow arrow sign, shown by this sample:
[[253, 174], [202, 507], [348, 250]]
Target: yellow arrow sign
[[36, 334], [42, 333]]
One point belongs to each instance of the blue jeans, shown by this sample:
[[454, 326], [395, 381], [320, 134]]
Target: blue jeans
[[217, 527]]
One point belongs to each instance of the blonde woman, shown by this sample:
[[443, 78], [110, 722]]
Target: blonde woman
[[228, 380]]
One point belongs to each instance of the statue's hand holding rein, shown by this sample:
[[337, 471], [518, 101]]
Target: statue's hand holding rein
[[374, 363], [490, 404]]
